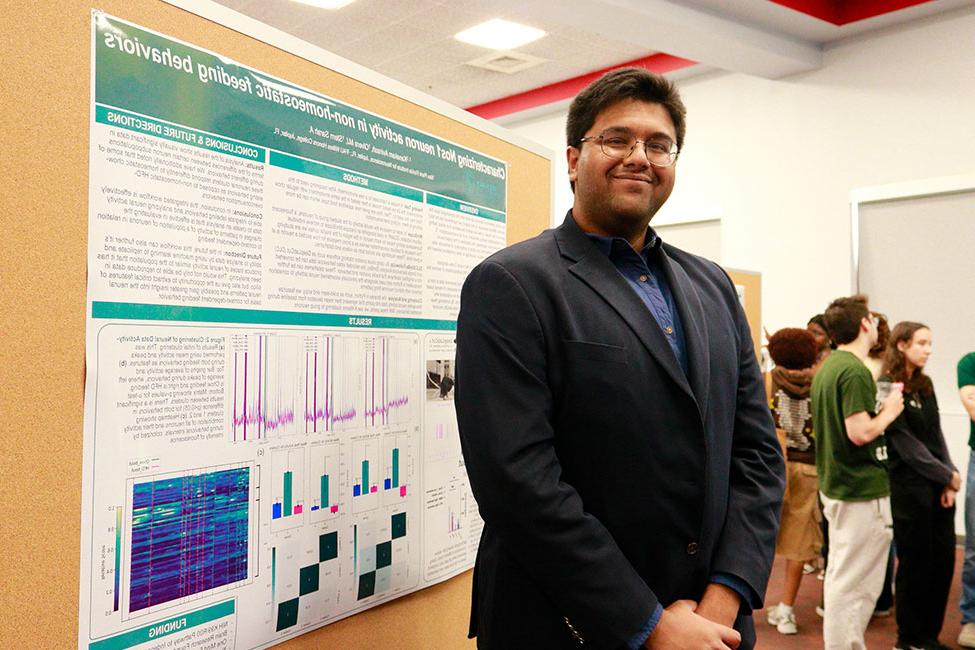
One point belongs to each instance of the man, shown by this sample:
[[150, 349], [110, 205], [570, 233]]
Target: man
[[612, 413], [966, 389], [851, 463]]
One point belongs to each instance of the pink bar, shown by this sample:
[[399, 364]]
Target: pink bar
[[373, 489], [334, 509], [297, 509], [402, 490]]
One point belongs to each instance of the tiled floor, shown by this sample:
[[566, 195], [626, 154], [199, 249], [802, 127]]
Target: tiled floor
[[881, 635]]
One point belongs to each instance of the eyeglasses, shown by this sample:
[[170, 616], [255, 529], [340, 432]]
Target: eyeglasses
[[660, 152]]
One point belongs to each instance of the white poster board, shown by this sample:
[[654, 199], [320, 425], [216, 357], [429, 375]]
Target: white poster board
[[270, 442]]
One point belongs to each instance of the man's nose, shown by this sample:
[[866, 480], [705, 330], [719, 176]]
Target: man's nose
[[637, 155]]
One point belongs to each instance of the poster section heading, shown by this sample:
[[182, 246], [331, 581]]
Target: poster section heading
[[152, 75]]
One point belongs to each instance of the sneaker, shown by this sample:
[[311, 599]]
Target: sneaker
[[882, 613], [907, 646], [966, 638], [807, 568], [820, 612], [783, 620]]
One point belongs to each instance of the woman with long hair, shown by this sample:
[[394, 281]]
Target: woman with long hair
[[923, 484]]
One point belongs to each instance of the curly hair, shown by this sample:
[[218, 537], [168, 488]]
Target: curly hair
[[883, 336], [793, 348], [895, 365]]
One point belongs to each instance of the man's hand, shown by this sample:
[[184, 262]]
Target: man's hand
[[893, 404], [955, 483], [948, 497], [680, 628]]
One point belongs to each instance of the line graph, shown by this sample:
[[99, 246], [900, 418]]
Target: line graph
[[264, 385], [390, 370]]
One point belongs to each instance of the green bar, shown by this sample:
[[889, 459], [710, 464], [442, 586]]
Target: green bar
[[274, 570], [395, 466], [287, 494], [324, 491], [175, 133], [465, 208], [343, 176], [142, 311], [165, 627], [365, 477]]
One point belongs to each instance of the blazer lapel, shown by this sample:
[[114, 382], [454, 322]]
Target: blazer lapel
[[597, 271], [695, 331]]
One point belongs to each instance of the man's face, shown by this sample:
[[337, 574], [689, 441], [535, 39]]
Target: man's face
[[619, 197]]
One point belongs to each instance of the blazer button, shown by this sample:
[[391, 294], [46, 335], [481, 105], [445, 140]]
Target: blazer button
[[669, 329], [692, 548]]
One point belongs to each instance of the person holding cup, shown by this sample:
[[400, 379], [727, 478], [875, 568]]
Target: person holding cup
[[923, 485], [851, 462]]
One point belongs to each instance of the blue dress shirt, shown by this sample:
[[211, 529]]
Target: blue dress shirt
[[644, 274]]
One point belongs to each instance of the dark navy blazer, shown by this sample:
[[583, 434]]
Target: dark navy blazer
[[609, 480]]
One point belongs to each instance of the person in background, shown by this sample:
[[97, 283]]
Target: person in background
[[817, 327], [875, 358], [923, 484], [794, 352], [875, 362], [851, 465], [966, 390]]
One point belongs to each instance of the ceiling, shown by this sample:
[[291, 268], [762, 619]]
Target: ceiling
[[412, 41]]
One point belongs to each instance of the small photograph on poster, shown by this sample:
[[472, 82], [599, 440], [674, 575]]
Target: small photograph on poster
[[440, 379]]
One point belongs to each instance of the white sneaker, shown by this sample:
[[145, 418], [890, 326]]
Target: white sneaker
[[783, 620], [966, 638]]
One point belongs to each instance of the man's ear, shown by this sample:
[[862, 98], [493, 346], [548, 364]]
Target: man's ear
[[572, 157]]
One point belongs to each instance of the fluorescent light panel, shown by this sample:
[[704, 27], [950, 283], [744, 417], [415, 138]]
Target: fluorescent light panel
[[326, 4], [498, 34]]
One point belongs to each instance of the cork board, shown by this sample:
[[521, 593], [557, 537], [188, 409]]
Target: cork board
[[46, 77], [750, 284]]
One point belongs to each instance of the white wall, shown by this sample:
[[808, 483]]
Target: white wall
[[777, 160]]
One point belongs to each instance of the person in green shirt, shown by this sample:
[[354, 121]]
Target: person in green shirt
[[851, 464], [966, 390]]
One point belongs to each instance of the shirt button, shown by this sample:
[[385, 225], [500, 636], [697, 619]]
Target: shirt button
[[692, 548], [643, 278], [669, 329]]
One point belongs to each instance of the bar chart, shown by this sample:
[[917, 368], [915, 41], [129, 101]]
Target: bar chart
[[325, 469], [366, 469], [398, 469], [287, 488]]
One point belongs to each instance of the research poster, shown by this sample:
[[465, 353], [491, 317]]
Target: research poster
[[273, 285]]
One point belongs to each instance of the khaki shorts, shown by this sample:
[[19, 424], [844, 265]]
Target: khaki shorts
[[800, 537]]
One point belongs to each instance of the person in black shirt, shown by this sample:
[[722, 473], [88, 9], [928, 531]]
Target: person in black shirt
[[923, 485]]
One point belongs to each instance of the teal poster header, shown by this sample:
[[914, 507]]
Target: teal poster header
[[148, 74]]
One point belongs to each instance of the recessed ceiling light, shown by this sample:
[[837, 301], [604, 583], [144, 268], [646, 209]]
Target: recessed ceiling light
[[498, 34], [326, 4]]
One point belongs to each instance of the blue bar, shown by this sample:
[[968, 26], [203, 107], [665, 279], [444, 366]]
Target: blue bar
[[356, 490], [276, 511], [386, 484], [314, 508]]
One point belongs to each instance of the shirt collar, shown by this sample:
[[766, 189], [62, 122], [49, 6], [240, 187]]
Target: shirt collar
[[611, 245]]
